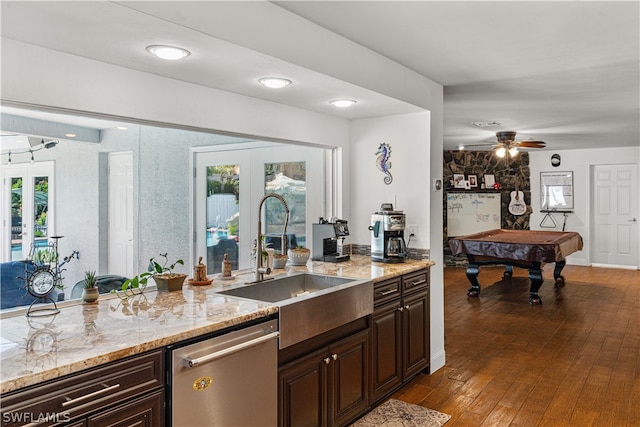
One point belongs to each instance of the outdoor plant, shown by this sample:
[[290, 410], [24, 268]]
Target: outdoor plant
[[90, 280]]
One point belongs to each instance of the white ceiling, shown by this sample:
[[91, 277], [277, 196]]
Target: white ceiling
[[565, 72]]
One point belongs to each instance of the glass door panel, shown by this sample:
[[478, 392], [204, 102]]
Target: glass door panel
[[288, 179], [222, 216], [16, 219], [40, 211]]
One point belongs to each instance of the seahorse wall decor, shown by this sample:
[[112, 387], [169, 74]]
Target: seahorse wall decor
[[382, 161]]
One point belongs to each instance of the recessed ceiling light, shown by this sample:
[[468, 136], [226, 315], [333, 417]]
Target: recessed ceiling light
[[342, 103], [274, 82], [122, 127], [70, 135], [168, 52]]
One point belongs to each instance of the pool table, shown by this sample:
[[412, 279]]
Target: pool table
[[520, 248]]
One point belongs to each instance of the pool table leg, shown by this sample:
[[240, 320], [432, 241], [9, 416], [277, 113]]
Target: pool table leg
[[556, 272], [508, 271], [472, 275], [535, 275]]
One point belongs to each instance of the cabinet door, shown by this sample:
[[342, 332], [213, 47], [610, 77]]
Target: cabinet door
[[349, 378], [386, 372], [303, 390], [415, 334], [147, 411]]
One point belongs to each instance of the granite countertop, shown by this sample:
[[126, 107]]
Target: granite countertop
[[36, 349]]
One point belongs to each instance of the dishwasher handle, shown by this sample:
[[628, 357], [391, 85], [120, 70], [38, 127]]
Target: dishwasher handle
[[233, 349]]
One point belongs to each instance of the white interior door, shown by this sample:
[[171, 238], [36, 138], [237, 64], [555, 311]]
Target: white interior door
[[121, 213], [615, 215]]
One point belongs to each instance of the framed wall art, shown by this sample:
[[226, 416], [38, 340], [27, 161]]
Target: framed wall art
[[556, 191]]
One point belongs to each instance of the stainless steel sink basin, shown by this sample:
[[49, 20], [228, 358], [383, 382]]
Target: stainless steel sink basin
[[310, 304]]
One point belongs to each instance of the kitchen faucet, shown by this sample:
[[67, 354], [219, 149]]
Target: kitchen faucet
[[260, 269]]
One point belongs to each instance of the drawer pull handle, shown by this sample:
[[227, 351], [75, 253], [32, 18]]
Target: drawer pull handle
[[106, 389], [388, 292], [234, 349], [420, 282]]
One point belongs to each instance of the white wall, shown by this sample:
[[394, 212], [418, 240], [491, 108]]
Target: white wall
[[579, 162], [409, 138]]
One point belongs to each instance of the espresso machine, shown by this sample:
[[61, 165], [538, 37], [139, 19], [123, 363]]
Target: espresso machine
[[387, 235], [328, 239]]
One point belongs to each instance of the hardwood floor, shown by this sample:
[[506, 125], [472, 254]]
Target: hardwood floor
[[572, 361]]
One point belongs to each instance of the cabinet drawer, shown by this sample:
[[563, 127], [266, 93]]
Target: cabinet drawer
[[386, 290], [80, 394], [415, 281]]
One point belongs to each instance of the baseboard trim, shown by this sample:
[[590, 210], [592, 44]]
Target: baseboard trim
[[437, 361], [622, 267]]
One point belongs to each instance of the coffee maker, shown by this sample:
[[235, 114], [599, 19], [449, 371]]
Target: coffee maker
[[387, 237], [328, 238]]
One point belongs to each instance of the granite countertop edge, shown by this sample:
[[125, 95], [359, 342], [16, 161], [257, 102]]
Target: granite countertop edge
[[84, 336]]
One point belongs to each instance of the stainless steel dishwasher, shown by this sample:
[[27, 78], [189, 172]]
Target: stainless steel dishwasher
[[227, 380]]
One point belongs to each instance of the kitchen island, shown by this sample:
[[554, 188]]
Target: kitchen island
[[83, 336]]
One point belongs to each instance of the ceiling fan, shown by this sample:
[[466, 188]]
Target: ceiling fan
[[507, 144]]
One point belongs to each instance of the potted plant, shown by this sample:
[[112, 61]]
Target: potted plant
[[165, 278], [299, 255], [279, 260], [90, 292]]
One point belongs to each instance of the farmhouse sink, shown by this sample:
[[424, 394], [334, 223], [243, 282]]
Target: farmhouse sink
[[310, 304]]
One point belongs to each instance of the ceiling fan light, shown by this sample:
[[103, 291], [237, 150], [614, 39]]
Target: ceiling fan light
[[500, 152], [513, 151]]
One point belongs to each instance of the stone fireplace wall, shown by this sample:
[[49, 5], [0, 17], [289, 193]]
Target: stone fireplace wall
[[480, 163]]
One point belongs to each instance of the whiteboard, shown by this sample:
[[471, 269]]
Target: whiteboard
[[469, 213]]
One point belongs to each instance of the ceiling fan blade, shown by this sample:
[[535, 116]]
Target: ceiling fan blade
[[531, 144]]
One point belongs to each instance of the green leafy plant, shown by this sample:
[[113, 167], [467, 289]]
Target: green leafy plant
[[158, 268], [90, 280], [155, 268], [45, 255]]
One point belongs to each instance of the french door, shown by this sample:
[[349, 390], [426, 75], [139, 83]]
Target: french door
[[27, 208], [229, 184]]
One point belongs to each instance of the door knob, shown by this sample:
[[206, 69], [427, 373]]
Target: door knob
[[633, 220]]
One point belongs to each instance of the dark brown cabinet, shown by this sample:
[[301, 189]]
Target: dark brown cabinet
[[327, 387], [129, 392], [400, 332]]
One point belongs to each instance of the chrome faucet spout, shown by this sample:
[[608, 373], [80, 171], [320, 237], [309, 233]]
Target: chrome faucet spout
[[261, 270]]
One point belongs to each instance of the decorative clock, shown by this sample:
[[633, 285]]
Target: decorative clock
[[41, 282], [46, 275]]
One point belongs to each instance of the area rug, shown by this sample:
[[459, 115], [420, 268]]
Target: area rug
[[396, 413]]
